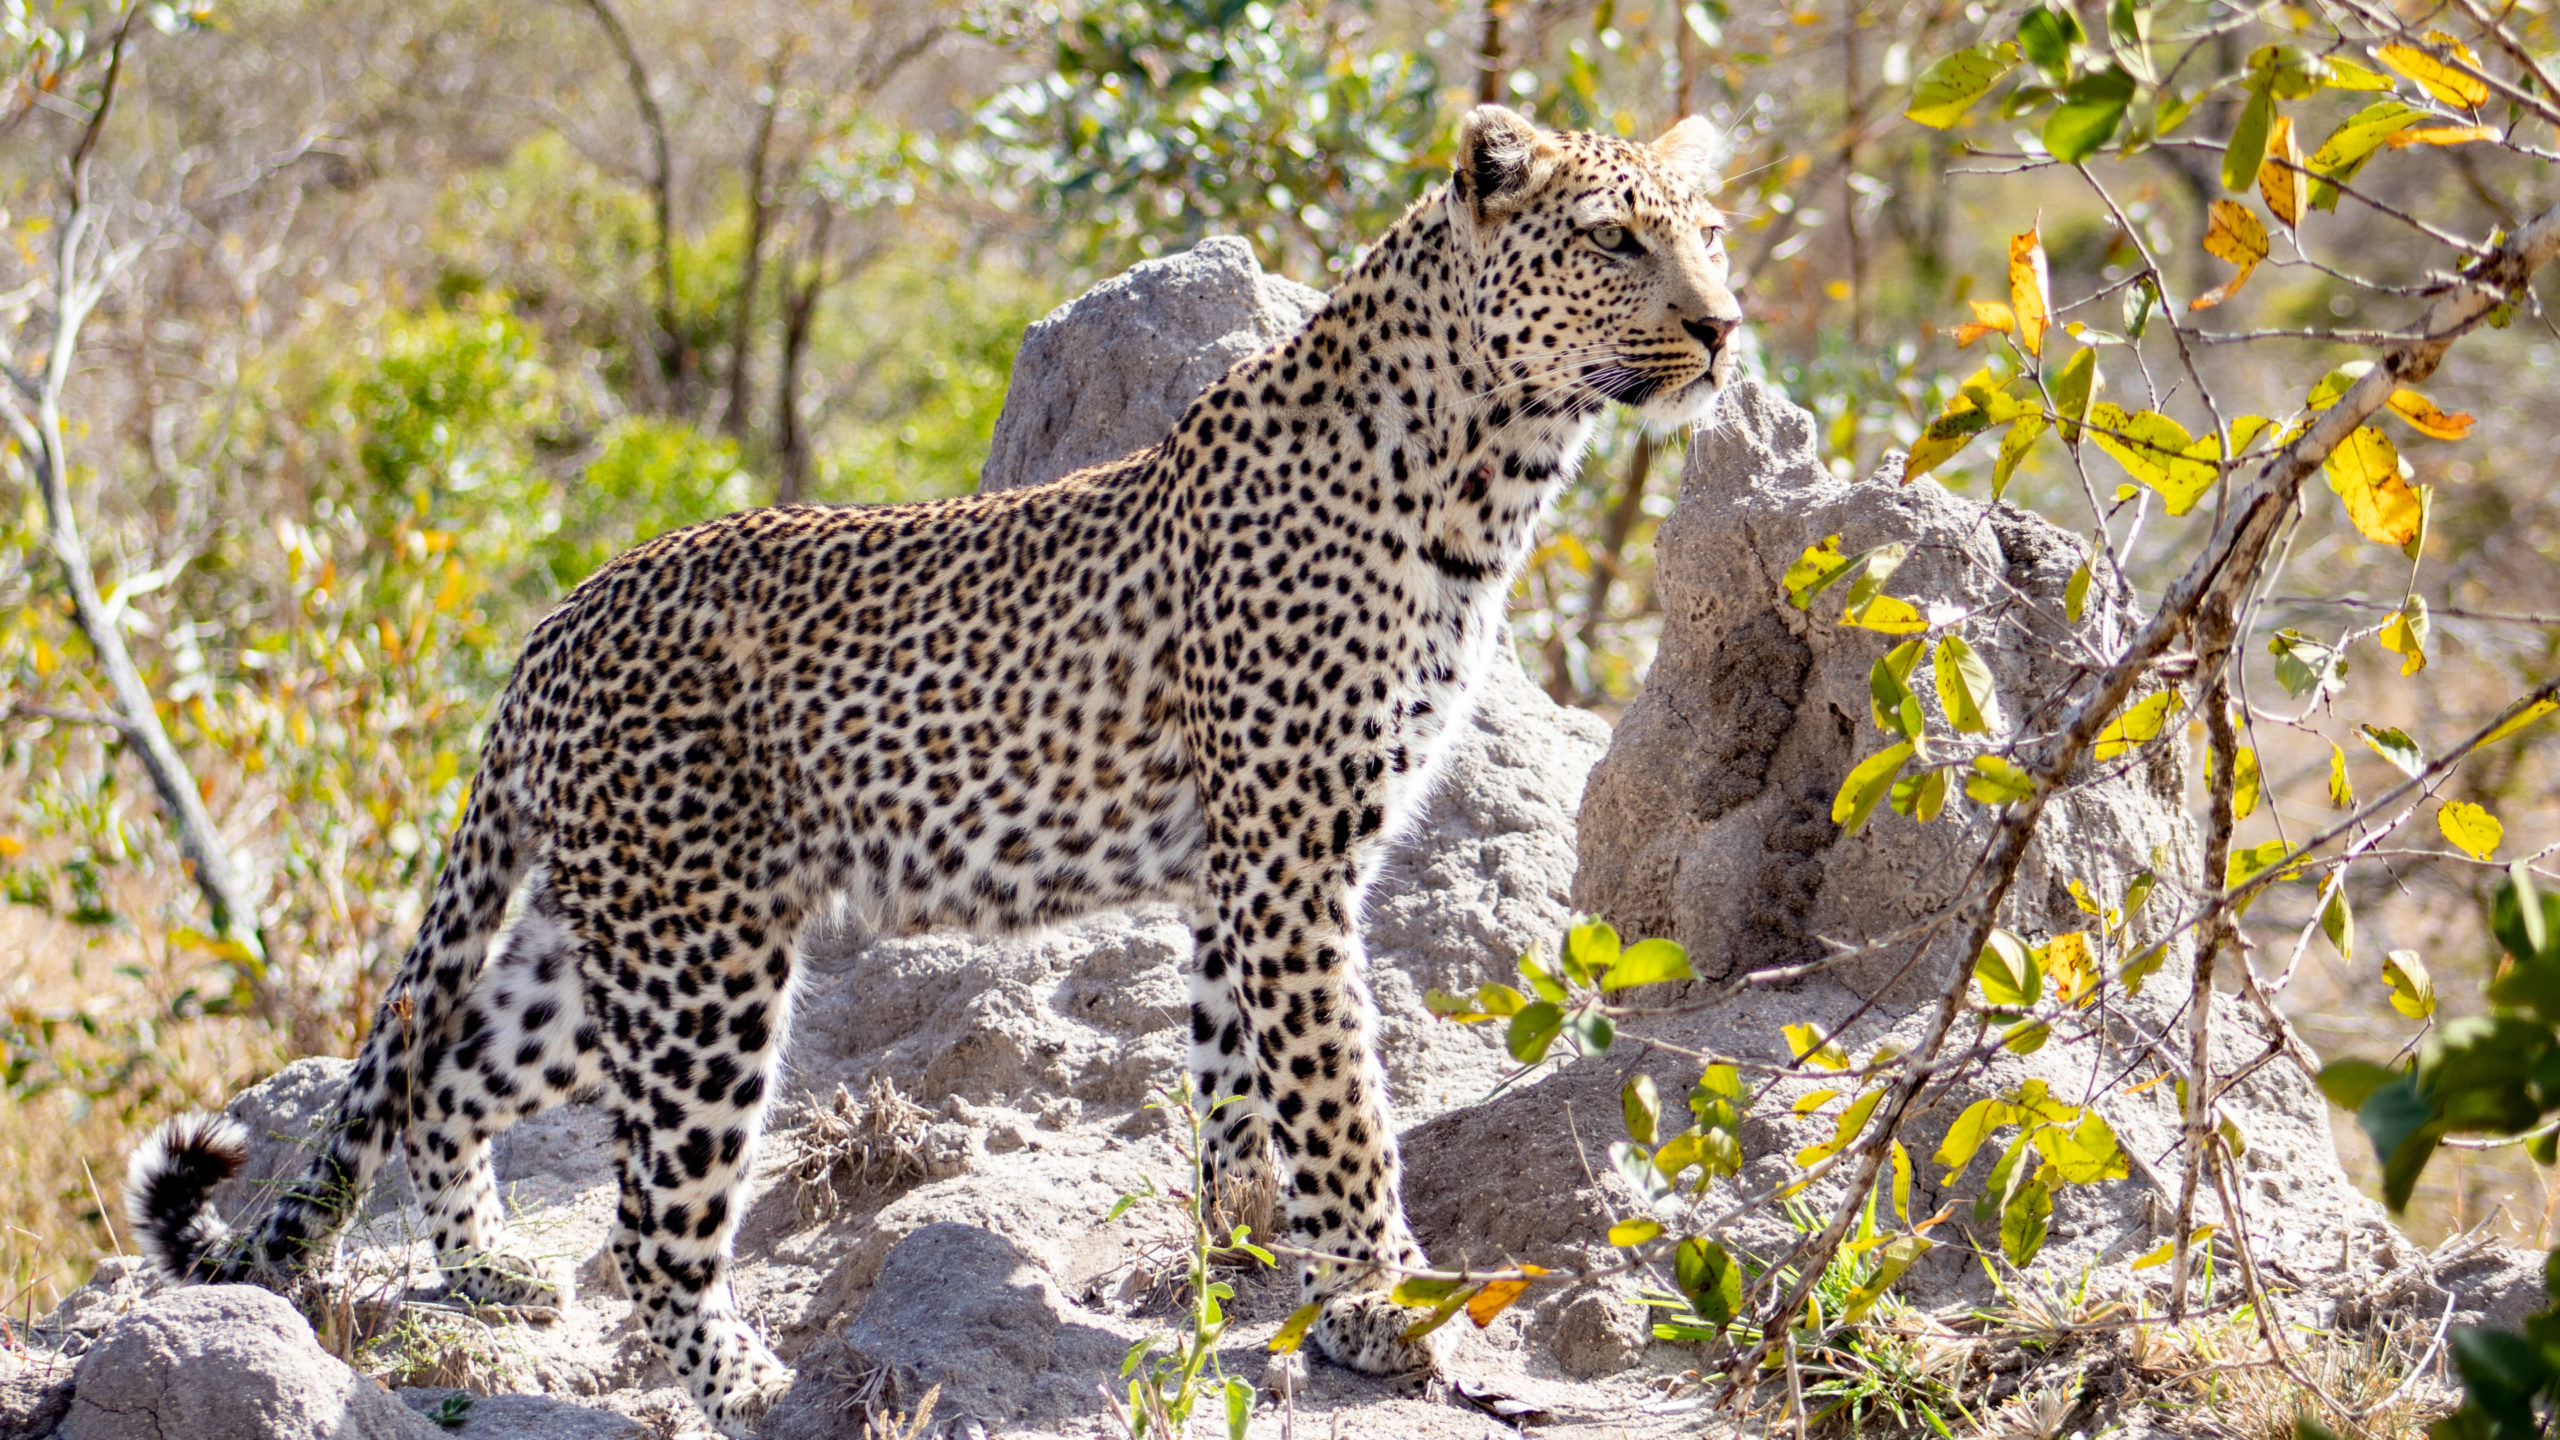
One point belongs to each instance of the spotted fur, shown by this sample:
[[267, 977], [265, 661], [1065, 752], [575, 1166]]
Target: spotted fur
[[1218, 671]]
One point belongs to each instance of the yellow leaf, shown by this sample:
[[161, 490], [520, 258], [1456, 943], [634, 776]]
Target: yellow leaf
[[2233, 234], [2405, 635], [1293, 1331], [2140, 723], [2441, 135], [2524, 717], [2425, 418], [2157, 451], [1888, 616], [2365, 471], [2435, 76], [2280, 174], [2029, 285], [2244, 783], [1628, 1233], [2342, 791], [2413, 990], [11, 847], [1994, 314], [1943, 437], [1815, 1100], [2169, 1249], [2475, 830]]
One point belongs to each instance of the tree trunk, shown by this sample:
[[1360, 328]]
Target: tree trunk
[[751, 265]]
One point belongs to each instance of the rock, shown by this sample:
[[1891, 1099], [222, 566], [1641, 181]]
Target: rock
[[1597, 1334], [35, 1393], [284, 1117], [524, 1417], [962, 1309], [1709, 822], [226, 1362], [1110, 371]]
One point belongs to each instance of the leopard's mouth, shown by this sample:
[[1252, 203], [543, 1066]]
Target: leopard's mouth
[[1693, 403]]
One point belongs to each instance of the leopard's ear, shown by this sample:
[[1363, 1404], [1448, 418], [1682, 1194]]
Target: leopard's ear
[[1696, 149], [1500, 157]]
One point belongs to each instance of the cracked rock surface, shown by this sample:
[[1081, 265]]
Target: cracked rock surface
[[226, 1362]]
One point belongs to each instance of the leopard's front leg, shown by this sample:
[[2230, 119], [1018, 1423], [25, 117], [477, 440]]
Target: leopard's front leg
[[1312, 1028]]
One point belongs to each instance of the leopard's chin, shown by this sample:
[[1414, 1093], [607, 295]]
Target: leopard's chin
[[1691, 405]]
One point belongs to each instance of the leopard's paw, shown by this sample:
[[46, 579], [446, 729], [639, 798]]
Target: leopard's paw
[[1366, 1330], [509, 1275], [737, 1413]]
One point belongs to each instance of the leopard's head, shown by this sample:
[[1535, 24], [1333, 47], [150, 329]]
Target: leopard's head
[[1600, 263]]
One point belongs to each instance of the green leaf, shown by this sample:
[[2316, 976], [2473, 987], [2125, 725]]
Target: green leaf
[[2139, 724], [1593, 944], [2399, 1121], [1889, 697], [2025, 1218], [1874, 567], [2338, 922], [1965, 689], [1710, 1280], [1498, 999], [1640, 1103], [2092, 106], [1239, 1409], [1950, 87], [1901, 1159], [1997, 781], [2244, 783], [2073, 389], [1293, 1331], [2352, 144], [2246, 862], [2086, 1153], [2247, 147], [2349, 1083], [2144, 966], [1533, 1030], [2075, 594], [2010, 975], [1866, 785], [1627, 1234], [2047, 35], [2526, 921], [1648, 962], [2413, 990], [2014, 446], [2304, 664], [1594, 1031], [2026, 1037], [1898, 1255], [1417, 1290], [1921, 796]]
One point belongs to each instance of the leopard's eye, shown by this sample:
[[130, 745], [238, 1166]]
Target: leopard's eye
[[1614, 239]]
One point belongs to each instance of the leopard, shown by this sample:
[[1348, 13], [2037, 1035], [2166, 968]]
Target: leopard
[[1218, 672]]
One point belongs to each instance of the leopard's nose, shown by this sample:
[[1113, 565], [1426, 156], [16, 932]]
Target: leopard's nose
[[1710, 333]]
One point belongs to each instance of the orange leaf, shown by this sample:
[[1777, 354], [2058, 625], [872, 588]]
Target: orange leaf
[[2426, 419], [2280, 174], [2441, 135], [2029, 284], [2232, 234], [1493, 1299]]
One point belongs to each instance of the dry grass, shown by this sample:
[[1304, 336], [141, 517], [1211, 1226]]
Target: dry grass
[[847, 1146], [106, 995]]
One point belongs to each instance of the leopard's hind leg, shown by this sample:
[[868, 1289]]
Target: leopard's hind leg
[[519, 1044]]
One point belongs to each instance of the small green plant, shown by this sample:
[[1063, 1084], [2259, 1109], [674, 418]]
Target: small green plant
[[1170, 1372], [451, 1411]]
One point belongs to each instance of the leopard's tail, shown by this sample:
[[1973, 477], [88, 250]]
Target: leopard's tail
[[169, 1184]]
